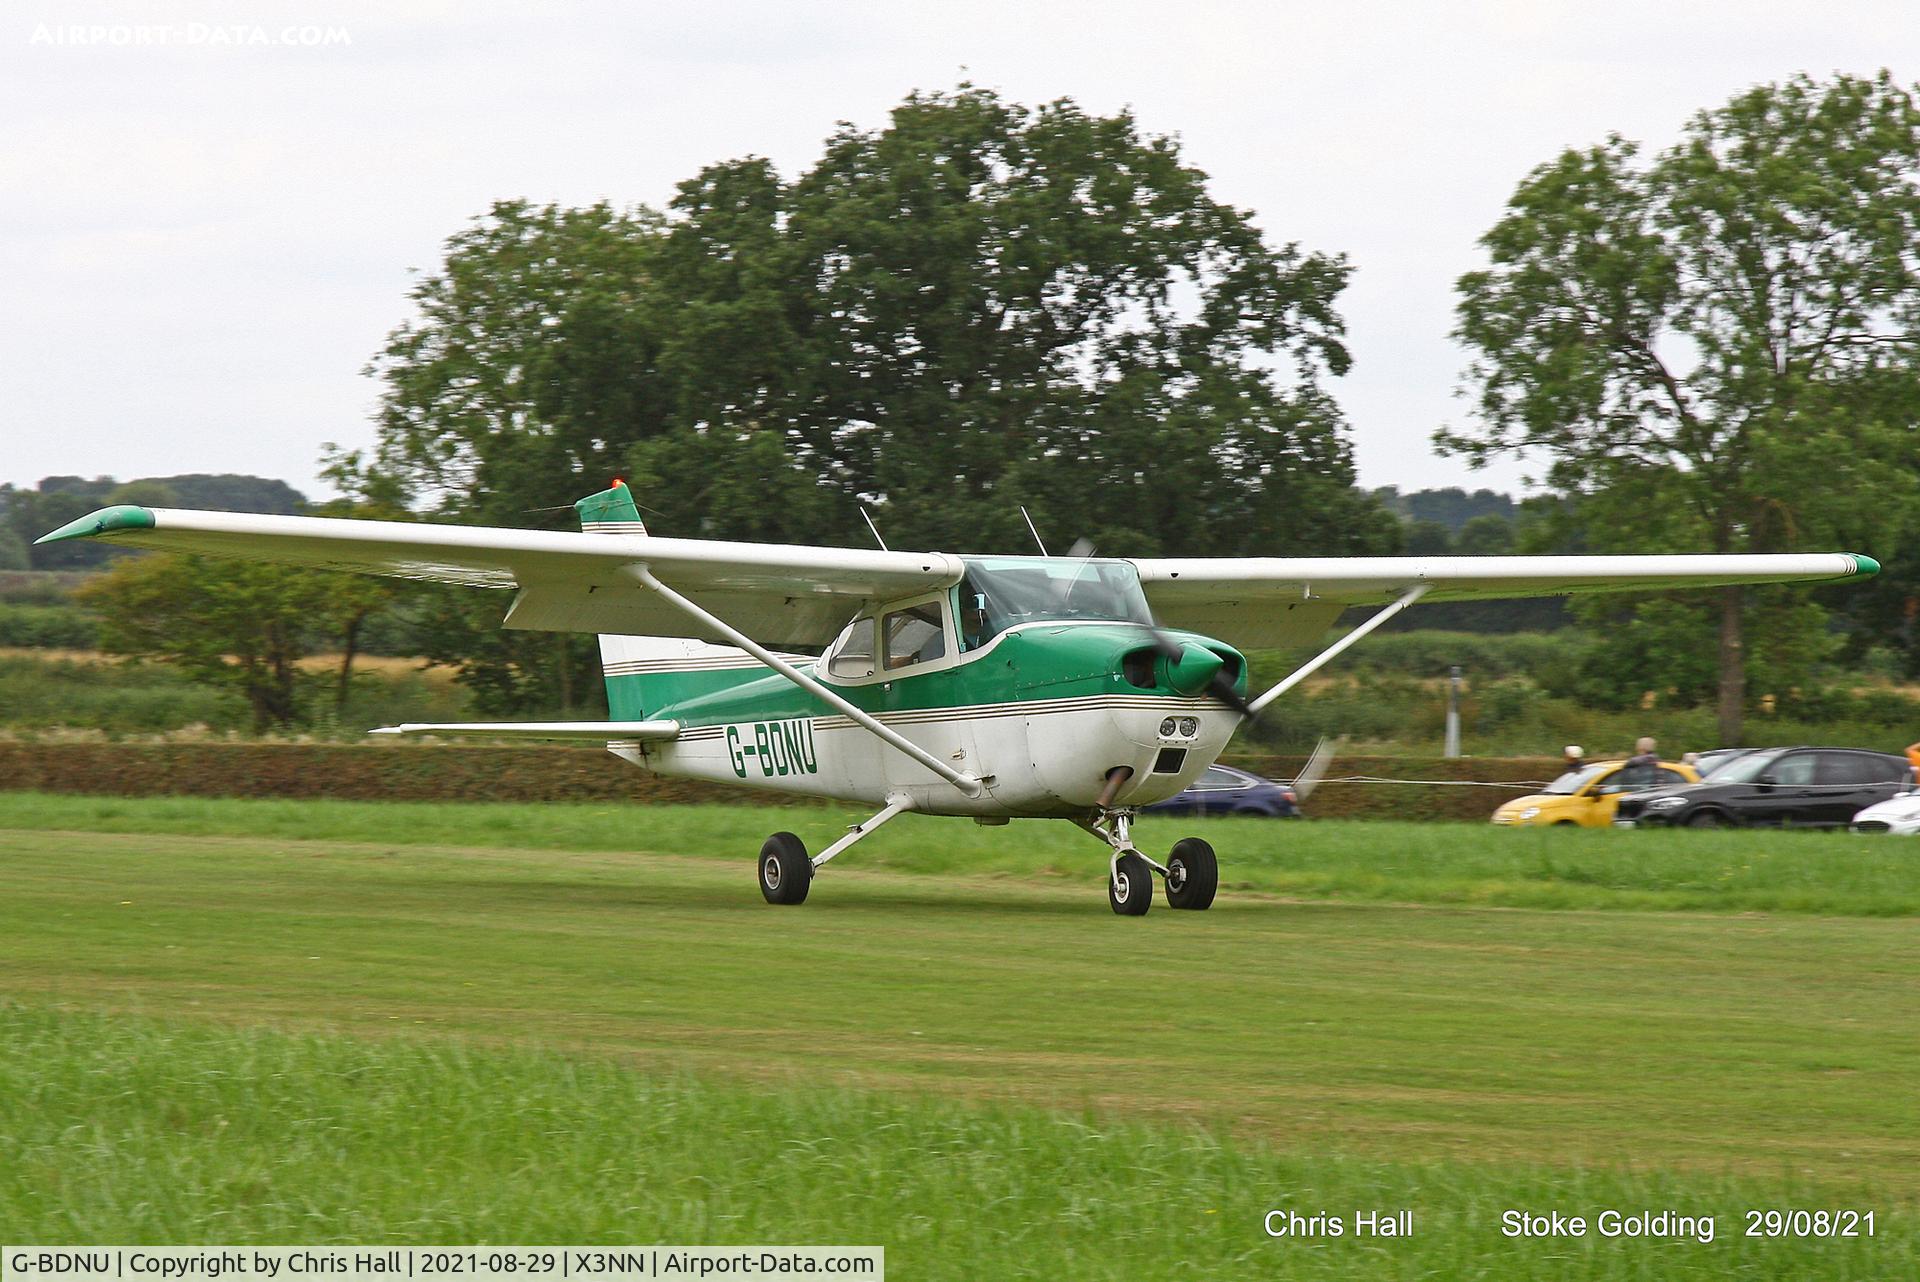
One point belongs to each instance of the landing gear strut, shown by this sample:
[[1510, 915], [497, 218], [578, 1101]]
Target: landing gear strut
[[786, 874], [1191, 872]]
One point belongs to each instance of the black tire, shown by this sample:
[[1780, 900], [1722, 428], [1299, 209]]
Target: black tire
[[1130, 888], [786, 873], [1193, 875], [1707, 819]]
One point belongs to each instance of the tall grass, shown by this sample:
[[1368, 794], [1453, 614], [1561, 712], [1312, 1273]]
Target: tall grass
[[127, 1130]]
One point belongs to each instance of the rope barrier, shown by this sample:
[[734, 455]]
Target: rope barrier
[[1442, 783], [1541, 783]]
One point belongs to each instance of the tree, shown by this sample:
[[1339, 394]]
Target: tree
[[1426, 538], [1484, 536], [232, 623], [979, 305], [1714, 348]]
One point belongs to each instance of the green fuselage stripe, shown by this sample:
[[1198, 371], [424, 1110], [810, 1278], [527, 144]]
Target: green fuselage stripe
[[1038, 663]]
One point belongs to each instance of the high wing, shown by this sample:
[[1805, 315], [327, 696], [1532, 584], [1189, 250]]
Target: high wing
[[1265, 601], [783, 594], [788, 594]]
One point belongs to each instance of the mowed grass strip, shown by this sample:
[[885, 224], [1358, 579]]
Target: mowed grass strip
[[1744, 871], [1778, 1048], [142, 1131]]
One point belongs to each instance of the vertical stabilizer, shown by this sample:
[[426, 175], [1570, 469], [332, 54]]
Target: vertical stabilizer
[[645, 674], [611, 511]]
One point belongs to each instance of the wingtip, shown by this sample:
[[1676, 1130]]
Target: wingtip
[[1864, 566], [107, 520]]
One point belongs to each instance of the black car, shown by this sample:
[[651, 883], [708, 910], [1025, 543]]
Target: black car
[[1222, 790], [1776, 787], [1714, 760]]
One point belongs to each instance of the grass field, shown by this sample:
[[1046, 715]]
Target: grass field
[[263, 1022], [1802, 872]]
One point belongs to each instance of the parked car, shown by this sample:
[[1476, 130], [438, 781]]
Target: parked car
[[1714, 760], [1587, 797], [1898, 816], [1798, 787], [1222, 790]]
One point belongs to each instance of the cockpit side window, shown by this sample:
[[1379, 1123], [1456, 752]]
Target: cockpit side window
[[851, 656], [970, 615], [917, 634]]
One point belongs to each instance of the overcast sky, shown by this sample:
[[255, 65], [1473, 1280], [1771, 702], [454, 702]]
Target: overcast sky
[[203, 239]]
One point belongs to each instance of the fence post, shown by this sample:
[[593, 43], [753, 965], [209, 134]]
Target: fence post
[[1452, 748]]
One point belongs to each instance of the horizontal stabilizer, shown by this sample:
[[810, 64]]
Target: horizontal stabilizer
[[593, 731]]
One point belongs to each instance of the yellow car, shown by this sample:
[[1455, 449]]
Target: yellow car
[[1589, 796]]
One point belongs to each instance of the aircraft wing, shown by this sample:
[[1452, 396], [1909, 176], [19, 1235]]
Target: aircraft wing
[[1264, 601], [783, 594]]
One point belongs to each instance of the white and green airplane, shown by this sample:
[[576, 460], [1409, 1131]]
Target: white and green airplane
[[991, 687]]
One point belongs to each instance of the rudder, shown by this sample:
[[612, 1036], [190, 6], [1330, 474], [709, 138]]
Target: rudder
[[645, 674]]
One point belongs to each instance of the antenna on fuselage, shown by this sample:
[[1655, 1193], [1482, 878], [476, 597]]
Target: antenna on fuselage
[[876, 529], [1031, 530]]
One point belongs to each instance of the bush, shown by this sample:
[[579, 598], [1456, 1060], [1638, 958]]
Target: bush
[[47, 627], [40, 587]]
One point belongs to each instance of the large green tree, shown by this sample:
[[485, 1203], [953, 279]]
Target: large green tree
[[238, 624], [1714, 347], [232, 623], [977, 306]]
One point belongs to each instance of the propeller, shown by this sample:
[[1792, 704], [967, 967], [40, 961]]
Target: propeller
[[1195, 670], [1191, 669]]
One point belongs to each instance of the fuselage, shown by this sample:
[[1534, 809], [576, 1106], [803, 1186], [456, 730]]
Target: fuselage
[[1042, 713]]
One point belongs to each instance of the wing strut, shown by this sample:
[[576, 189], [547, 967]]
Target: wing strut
[[966, 783], [1314, 664]]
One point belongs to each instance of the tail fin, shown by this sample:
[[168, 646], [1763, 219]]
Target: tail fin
[[645, 674], [611, 511]]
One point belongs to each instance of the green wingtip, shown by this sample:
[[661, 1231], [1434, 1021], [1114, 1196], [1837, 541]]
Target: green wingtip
[[1864, 566], [105, 521]]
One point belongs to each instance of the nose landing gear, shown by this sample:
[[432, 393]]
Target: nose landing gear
[[1191, 872], [1193, 875], [1130, 885]]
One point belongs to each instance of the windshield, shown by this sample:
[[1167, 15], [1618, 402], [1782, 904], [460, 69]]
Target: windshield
[[1574, 780], [1712, 764], [1745, 769], [1001, 592]]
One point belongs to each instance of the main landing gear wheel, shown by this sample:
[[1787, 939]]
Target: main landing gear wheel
[[1193, 875], [785, 870], [1130, 888]]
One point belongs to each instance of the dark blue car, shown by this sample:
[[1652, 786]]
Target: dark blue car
[[1222, 790]]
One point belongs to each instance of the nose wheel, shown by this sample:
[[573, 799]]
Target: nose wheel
[[1193, 875], [1191, 872], [1130, 887]]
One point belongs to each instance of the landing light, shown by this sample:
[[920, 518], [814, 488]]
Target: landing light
[[1169, 727], [1189, 726]]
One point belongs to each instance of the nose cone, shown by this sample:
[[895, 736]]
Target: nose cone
[[1189, 672]]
